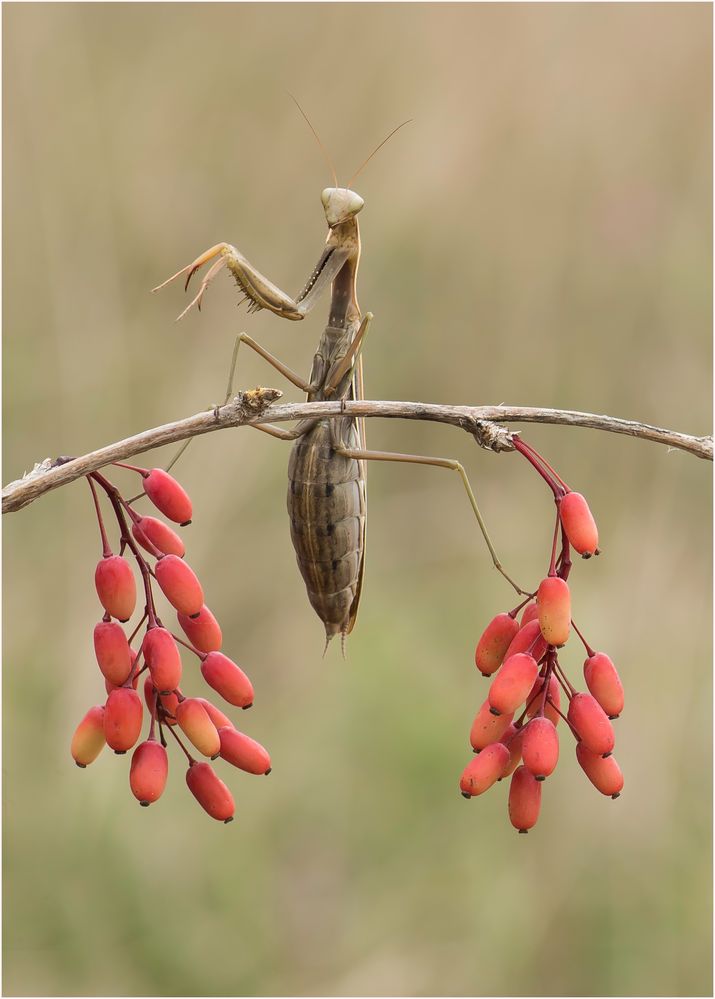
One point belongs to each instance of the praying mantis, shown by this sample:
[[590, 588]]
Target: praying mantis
[[327, 499]]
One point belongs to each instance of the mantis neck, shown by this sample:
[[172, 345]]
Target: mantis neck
[[344, 308]]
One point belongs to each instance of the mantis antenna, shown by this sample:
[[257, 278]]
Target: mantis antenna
[[317, 139], [365, 162]]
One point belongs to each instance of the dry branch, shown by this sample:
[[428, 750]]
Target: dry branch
[[259, 406]]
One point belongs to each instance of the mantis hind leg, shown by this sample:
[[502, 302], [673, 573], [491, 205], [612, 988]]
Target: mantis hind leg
[[449, 463]]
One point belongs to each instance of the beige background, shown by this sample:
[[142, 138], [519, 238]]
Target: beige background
[[539, 235]]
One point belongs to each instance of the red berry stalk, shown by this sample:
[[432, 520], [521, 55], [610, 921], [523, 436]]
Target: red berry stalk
[[515, 731], [158, 553]]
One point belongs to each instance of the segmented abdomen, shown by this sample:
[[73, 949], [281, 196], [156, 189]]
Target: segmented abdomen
[[326, 504]]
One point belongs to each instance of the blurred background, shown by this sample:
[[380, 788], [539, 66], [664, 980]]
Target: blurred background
[[540, 235]]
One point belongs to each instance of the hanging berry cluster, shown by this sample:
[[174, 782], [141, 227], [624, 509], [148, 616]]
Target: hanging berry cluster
[[514, 733], [118, 722]]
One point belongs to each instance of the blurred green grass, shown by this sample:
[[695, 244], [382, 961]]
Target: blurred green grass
[[540, 235]]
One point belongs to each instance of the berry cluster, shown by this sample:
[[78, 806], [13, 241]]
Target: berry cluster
[[118, 722], [522, 656]]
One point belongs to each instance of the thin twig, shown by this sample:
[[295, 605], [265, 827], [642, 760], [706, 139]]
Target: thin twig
[[259, 406]]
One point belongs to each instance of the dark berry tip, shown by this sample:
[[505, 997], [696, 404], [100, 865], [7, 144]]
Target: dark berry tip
[[541, 777], [476, 750], [185, 523], [613, 717], [267, 771], [229, 819], [216, 755], [606, 755], [616, 795], [486, 674], [247, 706], [194, 616], [523, 832], [145, 804], [465, 795], [493, 711], [82, 766], [120, 752]]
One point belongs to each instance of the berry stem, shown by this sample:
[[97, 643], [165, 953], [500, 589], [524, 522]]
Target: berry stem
[[201, 655], [106, 550], [532, 457], [552, 563], [132, 468], [550, 467], [513, 613], [134, 633], [188, 755], [587, 647]]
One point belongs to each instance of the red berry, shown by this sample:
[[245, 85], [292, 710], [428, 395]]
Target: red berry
[[531, 613], [179, 584], [605, 775], [215, 714], [579, 525], [524, 799], [554, 602], [148, 771], [122, 719], [203, 631], [540, 747], [210, 792], [528, 639], [116, 586], [512, 739], [488, 728], [112, 651], [196, 723], [168, 496], [243, 752], [163, 659], [512, 683], [534, 700], [88, 740], [603, 681], [494, 642], [151, 533], [591, 724], [228, 679], [481, 772]]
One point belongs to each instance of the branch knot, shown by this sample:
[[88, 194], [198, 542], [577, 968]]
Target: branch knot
[[492, 436]]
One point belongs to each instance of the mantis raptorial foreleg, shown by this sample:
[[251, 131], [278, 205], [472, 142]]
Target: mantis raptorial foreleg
[[451, 463]]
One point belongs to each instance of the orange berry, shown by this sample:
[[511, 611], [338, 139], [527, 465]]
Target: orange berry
[[495, 640], [151, 533], [603, 681], [591, 724], [215, 714], [579, 525], [524, 799], [512, 683], [605, 775], [148, 771], [112, 651], [163, 659], [528, 639], [203, 631], [554, 602], [179, 584], [227, 679], [88, 740], [531, 613], [210, 792], [540, 747], [243, 752], [196, 723], [488, 728], [168, 496], [116, 586], [481, 772], [122, 719]]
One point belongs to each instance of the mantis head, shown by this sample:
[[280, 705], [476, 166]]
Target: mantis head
[[340, 204]]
